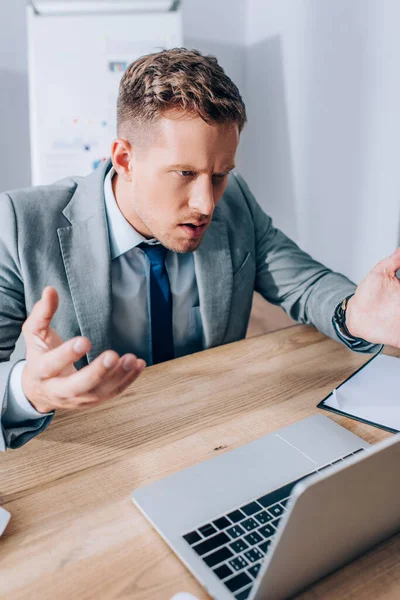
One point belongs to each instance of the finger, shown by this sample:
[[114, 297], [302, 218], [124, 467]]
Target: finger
[[38, 322], [52, 363], [123, 374], [94, 398], [87, 379], [390, 264], [129, 379]]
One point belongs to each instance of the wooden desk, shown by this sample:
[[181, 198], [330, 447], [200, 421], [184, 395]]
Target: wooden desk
[[74, 532]]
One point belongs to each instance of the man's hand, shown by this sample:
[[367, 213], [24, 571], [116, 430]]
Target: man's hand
[[49, 378], [373, 313]]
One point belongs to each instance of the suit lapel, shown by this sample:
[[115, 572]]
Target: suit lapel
[[213, 265], [86, 255]]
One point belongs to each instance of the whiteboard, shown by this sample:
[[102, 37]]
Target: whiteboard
[[75, 66]]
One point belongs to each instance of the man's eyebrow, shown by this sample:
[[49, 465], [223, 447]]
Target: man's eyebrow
[[184, 167]]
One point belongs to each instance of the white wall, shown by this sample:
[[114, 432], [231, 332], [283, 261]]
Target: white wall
[[323, 92], [218, 27], [14, 113]]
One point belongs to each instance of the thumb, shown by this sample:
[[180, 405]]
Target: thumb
[[391, 264], [37, 324]]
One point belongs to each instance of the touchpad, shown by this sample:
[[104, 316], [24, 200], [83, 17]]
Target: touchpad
[[321, 439]]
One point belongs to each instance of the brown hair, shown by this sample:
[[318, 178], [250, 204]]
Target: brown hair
[[182, 79]]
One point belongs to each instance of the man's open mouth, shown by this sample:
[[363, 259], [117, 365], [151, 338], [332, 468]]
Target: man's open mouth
[[192, 229]]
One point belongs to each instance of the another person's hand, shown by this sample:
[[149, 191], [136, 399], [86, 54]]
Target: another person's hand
[[373, 313], [49, 379]]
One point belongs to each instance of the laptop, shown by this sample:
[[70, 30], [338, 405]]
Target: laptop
[[273, 516]]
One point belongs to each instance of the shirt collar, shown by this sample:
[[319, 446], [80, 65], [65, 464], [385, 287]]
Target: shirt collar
[[122, 235]]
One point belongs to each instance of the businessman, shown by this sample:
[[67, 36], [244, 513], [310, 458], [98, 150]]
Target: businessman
[[156, 254]]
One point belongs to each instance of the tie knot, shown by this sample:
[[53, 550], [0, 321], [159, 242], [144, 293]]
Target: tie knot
[[155, 252]]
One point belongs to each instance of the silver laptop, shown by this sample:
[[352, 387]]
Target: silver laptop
[[270, 518]]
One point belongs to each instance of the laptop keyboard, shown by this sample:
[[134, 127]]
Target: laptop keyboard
[[234, 545]]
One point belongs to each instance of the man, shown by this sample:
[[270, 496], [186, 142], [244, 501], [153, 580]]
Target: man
[[156, 254]]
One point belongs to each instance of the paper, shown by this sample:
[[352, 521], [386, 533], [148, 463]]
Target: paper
[[372, 394]]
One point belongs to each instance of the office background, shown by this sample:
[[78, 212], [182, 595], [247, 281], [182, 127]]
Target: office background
[[321, 83]]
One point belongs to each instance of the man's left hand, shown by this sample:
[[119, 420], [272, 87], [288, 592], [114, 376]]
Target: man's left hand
[[373, 313]]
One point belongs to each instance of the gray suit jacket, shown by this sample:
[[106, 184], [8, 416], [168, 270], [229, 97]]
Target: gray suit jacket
[[57, 235]]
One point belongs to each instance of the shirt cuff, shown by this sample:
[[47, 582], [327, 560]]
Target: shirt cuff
[[19, 409]]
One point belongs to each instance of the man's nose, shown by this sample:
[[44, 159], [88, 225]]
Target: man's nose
[[202, 199]]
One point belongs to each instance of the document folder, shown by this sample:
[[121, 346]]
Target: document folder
[[370, 395]]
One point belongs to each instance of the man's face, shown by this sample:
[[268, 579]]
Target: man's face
[[171, 185]]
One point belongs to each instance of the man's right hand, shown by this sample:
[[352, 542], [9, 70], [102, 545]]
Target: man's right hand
[[49, 379]]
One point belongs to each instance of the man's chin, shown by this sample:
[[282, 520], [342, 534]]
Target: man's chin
[[185, 246], [182, 245]]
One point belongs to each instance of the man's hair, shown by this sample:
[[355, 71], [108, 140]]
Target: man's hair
[[177, 79]]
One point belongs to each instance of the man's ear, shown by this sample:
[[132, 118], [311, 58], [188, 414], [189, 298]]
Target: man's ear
[[121, 151]]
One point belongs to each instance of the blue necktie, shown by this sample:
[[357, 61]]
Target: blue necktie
[[160, 304]]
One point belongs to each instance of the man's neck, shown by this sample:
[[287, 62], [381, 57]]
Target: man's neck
[[123, 197]]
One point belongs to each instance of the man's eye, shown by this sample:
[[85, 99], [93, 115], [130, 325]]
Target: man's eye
[[219, 175], [185, 173]]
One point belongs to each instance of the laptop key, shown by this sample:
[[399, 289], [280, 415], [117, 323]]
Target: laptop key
[[267, 530], [254, 555], [249, 524], [275, 522], [265, 545], [244, 594], [211, 543], [236, 516], [218, 557], [239, 546], [275, 510], [263, 517], [276, 496], [238, 563], [235, 531], [223, 572], [207, 530], [192, 538], [222, 523], [253, 538], [251, 508], [253, 570], [237, 582]]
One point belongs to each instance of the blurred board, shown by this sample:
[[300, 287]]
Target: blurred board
[[75, 65]]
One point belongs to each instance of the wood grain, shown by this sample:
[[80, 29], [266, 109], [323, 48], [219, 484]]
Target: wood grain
[[74, 531]]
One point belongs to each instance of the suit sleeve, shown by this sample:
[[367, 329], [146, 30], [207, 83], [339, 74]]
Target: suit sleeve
[[12, 317], [288, 277]]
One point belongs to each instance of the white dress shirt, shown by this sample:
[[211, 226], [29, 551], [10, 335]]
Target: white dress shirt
[[131, 316]]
